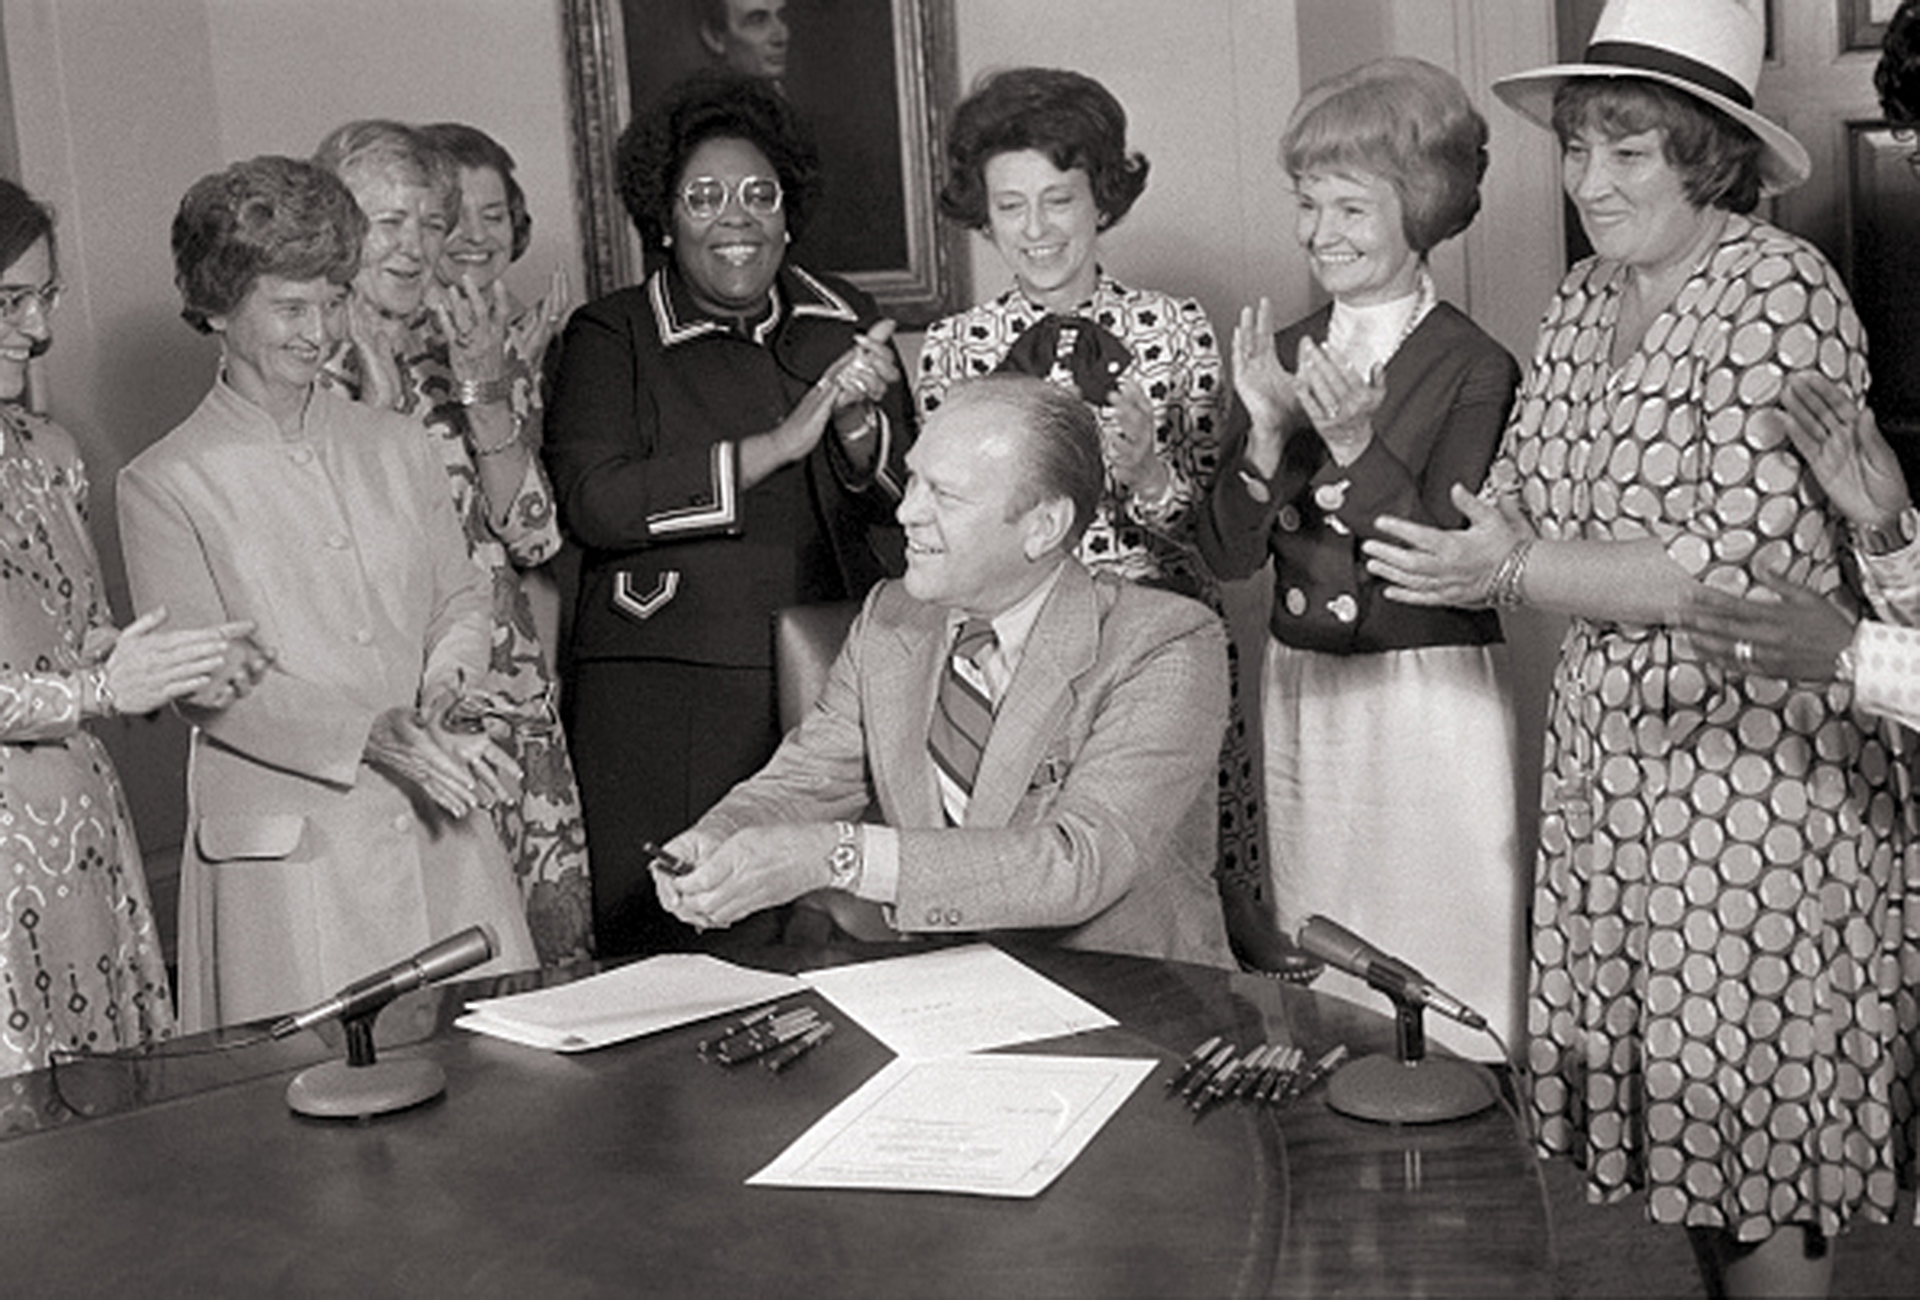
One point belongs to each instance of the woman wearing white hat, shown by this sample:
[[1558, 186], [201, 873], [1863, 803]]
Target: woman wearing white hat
[[1715, 957]]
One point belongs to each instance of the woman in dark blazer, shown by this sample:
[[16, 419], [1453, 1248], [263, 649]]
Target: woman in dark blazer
[[723, 440]]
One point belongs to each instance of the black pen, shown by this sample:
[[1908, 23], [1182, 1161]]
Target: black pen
[[1248, 1085], [1208, 1068], [1220, 1084], [1305, 1081], [767, 1035], [739, 1026], [1193, 1061], [1282, 1075], [781, 1058], [762, 1039]]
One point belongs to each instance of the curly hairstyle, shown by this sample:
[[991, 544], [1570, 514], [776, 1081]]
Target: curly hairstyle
[[23, 219], [1408, 123], [1071, 118], [379, 146], [1718, 159], [1897, 76], [713, 104], [470, 147], [266, 216]]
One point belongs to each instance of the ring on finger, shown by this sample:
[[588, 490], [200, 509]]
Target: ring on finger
[[1743, 653]]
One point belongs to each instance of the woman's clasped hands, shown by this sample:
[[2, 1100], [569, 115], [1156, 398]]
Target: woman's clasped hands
[[145, 667], [860, 377], [536, 327], [847, 394], [457, 765], [1323, 391], [475, 323]]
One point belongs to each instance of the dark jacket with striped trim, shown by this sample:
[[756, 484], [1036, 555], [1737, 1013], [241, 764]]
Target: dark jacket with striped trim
[[650, 401]]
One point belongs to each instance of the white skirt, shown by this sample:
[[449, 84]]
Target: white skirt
[[1391, 807]]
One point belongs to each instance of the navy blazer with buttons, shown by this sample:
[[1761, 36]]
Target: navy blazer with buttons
[[1449, 389]]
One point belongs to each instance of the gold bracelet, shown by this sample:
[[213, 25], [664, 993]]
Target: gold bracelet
[[478, 392], [1504, 588]]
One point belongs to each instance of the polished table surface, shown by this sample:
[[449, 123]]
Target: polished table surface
[[622, 1171]]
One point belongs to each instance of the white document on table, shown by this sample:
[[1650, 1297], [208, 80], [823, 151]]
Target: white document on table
[[980, 1125], [955, 1000], [642, 997]]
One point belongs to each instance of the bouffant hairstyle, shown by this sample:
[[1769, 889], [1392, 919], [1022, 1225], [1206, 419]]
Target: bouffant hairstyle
[[1072, 119], [267, 216], [1061, 451], [713, 105], [1408, 123], [380, 147], [1718, 159], [1897, 76], [23, 219], [470, 147]]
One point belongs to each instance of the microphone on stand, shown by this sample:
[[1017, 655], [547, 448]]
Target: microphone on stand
[[361, 1085], [463, 951], [1340, 947], [1409, 1087]]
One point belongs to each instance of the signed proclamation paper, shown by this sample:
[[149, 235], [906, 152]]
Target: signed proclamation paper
[[981, 1125], [954, 1000]]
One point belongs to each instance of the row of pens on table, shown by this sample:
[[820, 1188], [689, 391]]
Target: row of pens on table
[[1272, 1074], [773, 1037]]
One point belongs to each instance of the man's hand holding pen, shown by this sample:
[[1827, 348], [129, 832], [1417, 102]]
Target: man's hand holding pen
[[757, 867]]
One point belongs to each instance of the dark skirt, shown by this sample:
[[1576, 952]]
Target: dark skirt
[[655, 744]]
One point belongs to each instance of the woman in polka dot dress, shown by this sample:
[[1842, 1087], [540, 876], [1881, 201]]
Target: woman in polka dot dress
[[1716, 915]]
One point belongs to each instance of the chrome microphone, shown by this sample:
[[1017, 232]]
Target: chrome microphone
[[1340, 947], [450, 956]]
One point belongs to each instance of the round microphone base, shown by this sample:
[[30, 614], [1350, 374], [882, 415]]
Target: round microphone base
[[337, 1090], [1427, 1091]]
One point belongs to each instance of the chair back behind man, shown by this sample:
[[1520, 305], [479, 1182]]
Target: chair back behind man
[[806, 639]]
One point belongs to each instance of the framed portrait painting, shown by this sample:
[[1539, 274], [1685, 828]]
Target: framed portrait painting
[[874, 79], [1863, 23]]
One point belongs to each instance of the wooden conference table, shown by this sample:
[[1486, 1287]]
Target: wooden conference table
[[621, 1171]]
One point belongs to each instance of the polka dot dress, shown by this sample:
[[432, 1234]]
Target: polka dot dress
[[1717, 926]]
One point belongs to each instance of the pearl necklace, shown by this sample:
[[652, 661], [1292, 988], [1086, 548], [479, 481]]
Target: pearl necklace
[[1351, 323]]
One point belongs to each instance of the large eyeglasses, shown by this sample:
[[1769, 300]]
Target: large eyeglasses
[[705, 197], [16, 298]]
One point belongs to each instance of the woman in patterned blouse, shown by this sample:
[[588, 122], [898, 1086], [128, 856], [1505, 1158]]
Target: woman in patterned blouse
[[457, 358], [1717, 993], [80, 962], [1038, 163]]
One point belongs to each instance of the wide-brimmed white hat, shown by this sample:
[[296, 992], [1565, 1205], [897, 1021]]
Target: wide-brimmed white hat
[[1712, 49]]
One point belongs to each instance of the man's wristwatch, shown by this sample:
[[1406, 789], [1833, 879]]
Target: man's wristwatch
[[1885, 539], [844, 862]]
